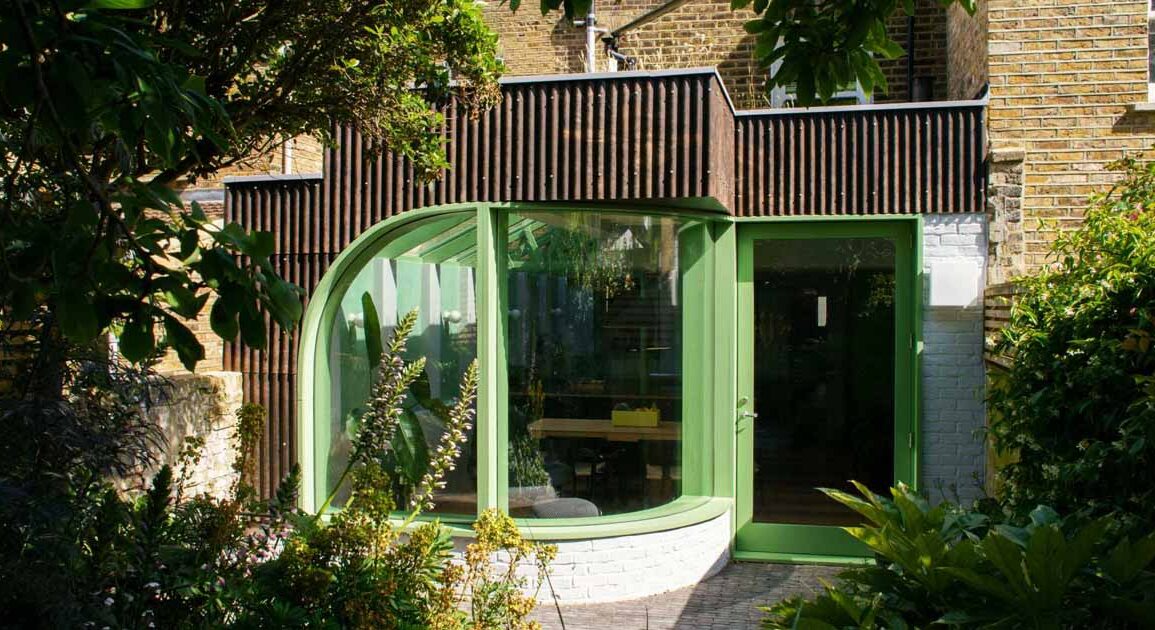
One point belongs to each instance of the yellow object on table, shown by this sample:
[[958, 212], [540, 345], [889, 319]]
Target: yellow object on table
[[635, 418], [602, 429]]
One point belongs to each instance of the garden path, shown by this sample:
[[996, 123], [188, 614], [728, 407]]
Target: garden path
[[730, 599]]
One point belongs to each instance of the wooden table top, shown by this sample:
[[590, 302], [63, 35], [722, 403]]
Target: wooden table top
[[603, 429]]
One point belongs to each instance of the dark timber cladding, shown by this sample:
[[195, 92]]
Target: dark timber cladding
[[569, 138], [290, 208], [610, 137], [893, 159]]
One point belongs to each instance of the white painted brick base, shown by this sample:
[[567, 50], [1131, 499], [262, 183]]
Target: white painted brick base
[[629, 567], [953, 378]]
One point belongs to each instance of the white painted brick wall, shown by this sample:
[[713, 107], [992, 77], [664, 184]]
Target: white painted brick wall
[[628, 567], [953, 379]]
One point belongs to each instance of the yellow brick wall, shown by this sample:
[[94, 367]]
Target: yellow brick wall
[[214, 347], [307, 158], [1062, 76], [700, 33], [966, 51], [930, 47]]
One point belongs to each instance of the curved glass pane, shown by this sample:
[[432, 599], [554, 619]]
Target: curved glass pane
[[428, 266], [595, 360]]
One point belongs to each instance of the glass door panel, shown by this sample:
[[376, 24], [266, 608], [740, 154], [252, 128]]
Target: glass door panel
[[826, 361], [823, 374]]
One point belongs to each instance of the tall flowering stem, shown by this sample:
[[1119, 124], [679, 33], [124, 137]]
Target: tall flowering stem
[[379, 424], [449, 448], [394, 376]]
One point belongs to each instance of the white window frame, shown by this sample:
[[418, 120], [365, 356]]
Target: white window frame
[[780, 97]]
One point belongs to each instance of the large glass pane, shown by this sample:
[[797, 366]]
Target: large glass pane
[[823, 374], [595, 312], [428, 266]]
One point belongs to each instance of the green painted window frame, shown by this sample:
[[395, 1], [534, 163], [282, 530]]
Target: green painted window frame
[[707, 439], [807, 543]]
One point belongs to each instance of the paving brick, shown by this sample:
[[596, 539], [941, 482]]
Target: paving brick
[[729, 599]]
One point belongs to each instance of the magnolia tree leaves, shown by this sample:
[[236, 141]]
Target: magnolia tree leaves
[[825, 45], [107, 105]]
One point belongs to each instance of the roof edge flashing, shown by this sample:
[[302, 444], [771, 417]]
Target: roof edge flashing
[[868, 107], [261, 179], [625, 75]]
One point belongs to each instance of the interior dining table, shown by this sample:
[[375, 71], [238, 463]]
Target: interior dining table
[[603, 428]]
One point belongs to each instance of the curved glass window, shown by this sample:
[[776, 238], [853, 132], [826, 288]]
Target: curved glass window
[[430, 266], [594, 325], [595, 340]]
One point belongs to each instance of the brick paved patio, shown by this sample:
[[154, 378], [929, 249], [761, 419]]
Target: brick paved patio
[[730, 599]]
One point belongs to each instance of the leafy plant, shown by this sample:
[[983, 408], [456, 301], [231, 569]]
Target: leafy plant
[[576, 252], [943, 566], [1076, 410], [106, 105], [361, 569], [526, 466], [408, 456], [825, 45]]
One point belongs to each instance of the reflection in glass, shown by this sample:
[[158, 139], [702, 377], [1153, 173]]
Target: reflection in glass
[[428, 266], [595, 362], [823, 374]]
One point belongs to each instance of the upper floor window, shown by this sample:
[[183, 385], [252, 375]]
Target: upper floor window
[[849, 94]]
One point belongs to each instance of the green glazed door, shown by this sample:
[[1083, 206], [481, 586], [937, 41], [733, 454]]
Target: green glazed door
[[826, 389]]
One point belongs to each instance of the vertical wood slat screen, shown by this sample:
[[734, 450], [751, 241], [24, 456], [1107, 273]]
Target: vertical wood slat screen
[[861, 161]]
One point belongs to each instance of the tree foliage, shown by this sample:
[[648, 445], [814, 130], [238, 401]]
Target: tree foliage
[[825, 45], [106, 104], [1077, 408]]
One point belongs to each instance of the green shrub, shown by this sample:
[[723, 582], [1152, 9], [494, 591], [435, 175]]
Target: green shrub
[[943, 566], [1077, 409], [362, 570], [75, 553]]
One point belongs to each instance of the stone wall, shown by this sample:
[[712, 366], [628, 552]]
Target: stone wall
[[1006, 240], [1065, 77], [953, 377], [203, 406]]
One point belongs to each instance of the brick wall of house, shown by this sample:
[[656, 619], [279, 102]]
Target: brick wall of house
[[966, 51], [953, 412], [930, 53], [214, 347], [307, 157], [700, 33], [1062, 76]]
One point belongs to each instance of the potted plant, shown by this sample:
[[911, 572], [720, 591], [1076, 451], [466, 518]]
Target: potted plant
[[528, 479]]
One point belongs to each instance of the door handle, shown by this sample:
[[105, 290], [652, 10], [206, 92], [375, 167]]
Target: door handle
[[746, 414]]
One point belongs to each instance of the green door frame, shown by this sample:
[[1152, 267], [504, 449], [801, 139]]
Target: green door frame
[[789, 542]]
